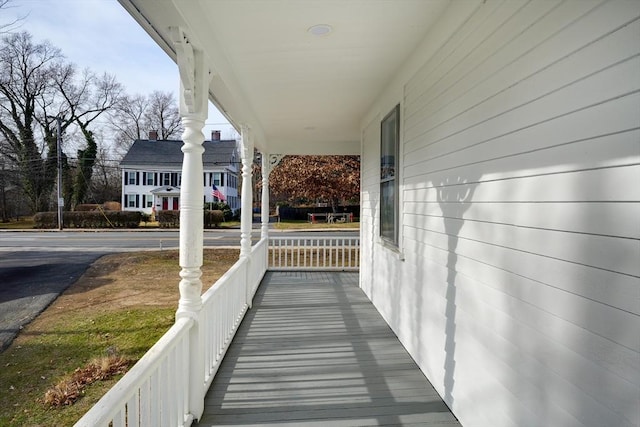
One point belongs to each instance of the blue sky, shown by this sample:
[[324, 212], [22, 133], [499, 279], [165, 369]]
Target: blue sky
[[101, 35]]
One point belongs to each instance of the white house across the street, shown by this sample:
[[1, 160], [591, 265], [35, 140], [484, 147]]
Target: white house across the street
[[152, 174]]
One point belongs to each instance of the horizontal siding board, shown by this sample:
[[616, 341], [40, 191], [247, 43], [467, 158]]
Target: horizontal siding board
[[601, 136], [607, 394], [530, 330], [607, 219], [599, 185], [525, 80], [545, 309], [494, 119], [455, 48], [608, 253], [530, 76], [606, 320], [490, 57], [616, 290]]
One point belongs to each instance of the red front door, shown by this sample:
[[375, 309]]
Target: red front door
[[175, 203], [165, 204]]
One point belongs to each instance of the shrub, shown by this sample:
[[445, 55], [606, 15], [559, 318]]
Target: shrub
[[93, 219], [111, 206], [168, 219], [221, 206], [45, 220], [217, 216], [86, 207]]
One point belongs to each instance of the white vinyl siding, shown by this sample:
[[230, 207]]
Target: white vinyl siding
[[519, 295]]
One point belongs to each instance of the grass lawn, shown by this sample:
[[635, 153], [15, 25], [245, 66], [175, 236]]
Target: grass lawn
[[26, 222], [123, 304]]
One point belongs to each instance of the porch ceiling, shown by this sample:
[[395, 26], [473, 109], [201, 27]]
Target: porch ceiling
[[300, 93]]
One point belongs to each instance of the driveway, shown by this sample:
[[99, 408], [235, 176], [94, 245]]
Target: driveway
[[31, 280]]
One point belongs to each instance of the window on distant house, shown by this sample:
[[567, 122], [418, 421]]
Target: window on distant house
[[148, 178], [149, 201], [132, 178], [217, 179], [389, 150], [166, 179], [131, 200]]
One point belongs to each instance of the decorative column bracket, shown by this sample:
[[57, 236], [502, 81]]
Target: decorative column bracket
[[194, 96], [274, 160]]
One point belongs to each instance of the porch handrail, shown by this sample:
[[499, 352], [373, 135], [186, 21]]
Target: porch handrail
[[314, 253], [154, 388], [155, 391]]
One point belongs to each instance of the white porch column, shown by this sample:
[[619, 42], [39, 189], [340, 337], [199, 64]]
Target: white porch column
[[194, 86], [264, 208], [246, 218], [269, 161]]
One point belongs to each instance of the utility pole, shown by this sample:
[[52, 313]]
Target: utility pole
[[60, 198]]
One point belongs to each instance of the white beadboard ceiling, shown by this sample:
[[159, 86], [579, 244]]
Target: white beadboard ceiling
[[299, 93]]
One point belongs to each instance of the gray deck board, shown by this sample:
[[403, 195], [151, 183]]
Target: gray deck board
[[313, 351]]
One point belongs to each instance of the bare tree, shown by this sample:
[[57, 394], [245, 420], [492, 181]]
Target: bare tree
[[83, 100], [37, 87], [163, 115], [107, 184], [136, 115], [26, 77], [7, 27]]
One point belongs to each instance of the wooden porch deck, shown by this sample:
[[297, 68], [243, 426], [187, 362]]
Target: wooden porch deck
[[313, 351]]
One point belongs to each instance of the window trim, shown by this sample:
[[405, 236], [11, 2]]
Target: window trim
[[393, 117]]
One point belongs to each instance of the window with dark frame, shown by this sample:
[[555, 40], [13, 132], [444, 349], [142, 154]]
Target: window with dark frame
[[389, 151]]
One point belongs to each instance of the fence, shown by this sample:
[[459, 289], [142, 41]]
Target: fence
[[314, 253]]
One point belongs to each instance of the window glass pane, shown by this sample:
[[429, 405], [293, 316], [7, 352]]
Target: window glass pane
[[389, 148], [387, 210]]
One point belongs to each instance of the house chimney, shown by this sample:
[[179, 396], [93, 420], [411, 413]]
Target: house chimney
[[215, 135], [153, 135]]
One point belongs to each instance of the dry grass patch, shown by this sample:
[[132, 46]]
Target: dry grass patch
[[67, 391]]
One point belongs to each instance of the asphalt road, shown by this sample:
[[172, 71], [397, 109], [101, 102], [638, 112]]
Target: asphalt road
[[108, 241], [30, 281]]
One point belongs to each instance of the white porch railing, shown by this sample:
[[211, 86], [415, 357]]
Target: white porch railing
[[224, 306], [155, 391], [314, 253]]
